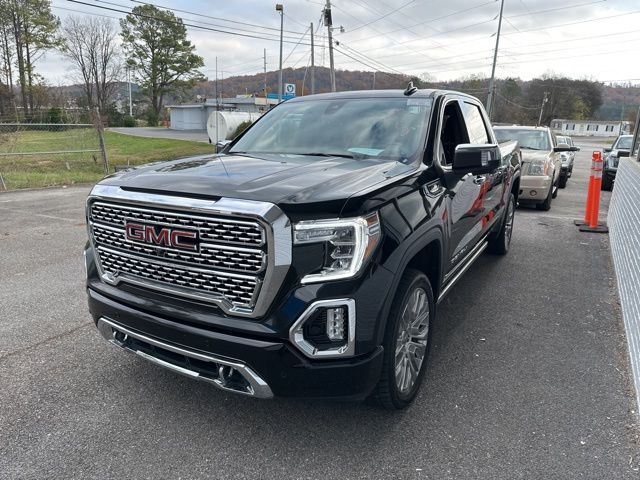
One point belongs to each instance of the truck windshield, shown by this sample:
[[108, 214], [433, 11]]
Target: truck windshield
[[624, 142], [528, 139], [385, 128]]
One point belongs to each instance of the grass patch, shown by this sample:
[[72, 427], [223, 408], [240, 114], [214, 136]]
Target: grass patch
[[48, 169]]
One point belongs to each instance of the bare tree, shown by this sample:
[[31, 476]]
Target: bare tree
[[91, 43]]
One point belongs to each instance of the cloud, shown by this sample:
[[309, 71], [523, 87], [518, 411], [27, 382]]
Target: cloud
[[579, 38]]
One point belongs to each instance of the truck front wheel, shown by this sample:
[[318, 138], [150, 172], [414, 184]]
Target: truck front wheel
[[500, 244], [406, 342]]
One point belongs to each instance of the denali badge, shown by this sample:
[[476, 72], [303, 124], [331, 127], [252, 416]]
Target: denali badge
[[161, 236]]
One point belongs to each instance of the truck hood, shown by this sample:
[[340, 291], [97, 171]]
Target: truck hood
[[535, 155], [280, 179]]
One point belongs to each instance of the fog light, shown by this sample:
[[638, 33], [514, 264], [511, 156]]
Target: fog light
[[327, 328], [335, 323], [533, 193]]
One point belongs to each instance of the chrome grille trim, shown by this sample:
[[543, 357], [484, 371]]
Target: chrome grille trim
[[228, 231], [235, 289], [224, 257], [275, 240]]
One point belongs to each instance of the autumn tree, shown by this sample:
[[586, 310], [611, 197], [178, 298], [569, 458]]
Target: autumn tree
[[157, 50]]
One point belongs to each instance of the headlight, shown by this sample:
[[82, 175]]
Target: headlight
[[349, 244], [538, 168]]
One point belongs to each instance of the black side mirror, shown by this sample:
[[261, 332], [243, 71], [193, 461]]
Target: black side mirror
[[607, 150], [564, 147], [575, 149], [476, 158]]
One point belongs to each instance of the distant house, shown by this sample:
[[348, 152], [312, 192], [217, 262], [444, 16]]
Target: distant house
[[590, 128], [194, 116]]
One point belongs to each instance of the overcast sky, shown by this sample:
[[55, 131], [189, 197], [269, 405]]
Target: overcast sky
[[595, 39]]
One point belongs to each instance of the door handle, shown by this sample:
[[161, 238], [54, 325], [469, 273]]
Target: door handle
[[479, 179]]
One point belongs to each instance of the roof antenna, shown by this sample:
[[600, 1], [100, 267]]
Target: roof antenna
[[410, 90]]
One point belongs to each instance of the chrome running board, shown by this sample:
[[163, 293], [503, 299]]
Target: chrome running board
[[473, 256]]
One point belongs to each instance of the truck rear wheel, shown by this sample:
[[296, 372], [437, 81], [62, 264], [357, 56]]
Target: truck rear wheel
[[406, 342]]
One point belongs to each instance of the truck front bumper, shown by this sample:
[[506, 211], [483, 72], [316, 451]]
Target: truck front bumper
[[244, 364], [534, 188]]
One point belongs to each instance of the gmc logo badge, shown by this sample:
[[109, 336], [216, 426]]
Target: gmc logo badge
[[161, 236]]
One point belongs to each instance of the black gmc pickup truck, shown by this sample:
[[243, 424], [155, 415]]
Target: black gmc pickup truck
[[308, 257]]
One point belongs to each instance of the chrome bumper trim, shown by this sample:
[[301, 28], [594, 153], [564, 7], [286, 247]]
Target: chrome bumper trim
[[257, 387]]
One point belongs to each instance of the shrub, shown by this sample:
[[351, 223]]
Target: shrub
[[128, 121], [241, 128]]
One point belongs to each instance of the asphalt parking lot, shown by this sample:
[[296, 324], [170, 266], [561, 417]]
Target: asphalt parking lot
[[528, 374]]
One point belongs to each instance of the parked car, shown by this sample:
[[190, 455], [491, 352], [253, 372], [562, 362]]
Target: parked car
[[541, 163], [611, 157], [308, 257], [567, 158]]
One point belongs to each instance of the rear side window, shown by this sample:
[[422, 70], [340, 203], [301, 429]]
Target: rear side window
[[475, 123]]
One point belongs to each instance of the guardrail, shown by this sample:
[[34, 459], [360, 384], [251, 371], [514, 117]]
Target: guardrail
[[624, 228]]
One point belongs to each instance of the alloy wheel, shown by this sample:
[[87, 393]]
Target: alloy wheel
[[411, 342]]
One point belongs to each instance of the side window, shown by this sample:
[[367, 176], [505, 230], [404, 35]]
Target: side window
[[453, 132], [475, 123]]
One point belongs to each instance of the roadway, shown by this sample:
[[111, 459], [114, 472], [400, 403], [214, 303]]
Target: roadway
[[528, 374]]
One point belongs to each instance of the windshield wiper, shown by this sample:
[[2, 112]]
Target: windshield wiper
[[528, 148], [317, 154]]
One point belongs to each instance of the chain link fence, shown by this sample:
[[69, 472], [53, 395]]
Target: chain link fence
[[34, 155]]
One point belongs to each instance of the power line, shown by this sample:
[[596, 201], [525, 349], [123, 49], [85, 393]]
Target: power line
[[196, 20], [369, 59], [191, 25], [529, 12], [384, 16], [296, 45], [442, 33], [574, 23], [367, 65], [209, 16], [426, 22]]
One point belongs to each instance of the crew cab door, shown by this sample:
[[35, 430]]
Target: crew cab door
[[473, 199]]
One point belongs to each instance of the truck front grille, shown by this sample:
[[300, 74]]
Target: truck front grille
[[227, 264]]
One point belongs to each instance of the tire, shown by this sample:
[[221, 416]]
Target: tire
[[607, 183], [556, 189], [563, 181], [414, 286], [500, 244], [546, 205]]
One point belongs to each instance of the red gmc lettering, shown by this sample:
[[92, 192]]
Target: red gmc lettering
[[164, 237], [135, 231], [160, 238], [175, 239]]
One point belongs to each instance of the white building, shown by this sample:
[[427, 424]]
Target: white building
[[194, 116], [590, 128]]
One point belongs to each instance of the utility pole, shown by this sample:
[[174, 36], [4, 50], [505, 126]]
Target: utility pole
[[373, 87], [329, 23], [313, 65], [280, 8], [215, 142], [544, 100], [265, 74], [130, 105], [493, 68]]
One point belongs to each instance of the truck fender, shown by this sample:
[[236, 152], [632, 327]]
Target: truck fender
[[397, 267]]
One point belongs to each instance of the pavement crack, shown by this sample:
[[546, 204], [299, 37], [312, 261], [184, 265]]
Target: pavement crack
[[42, 342]]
